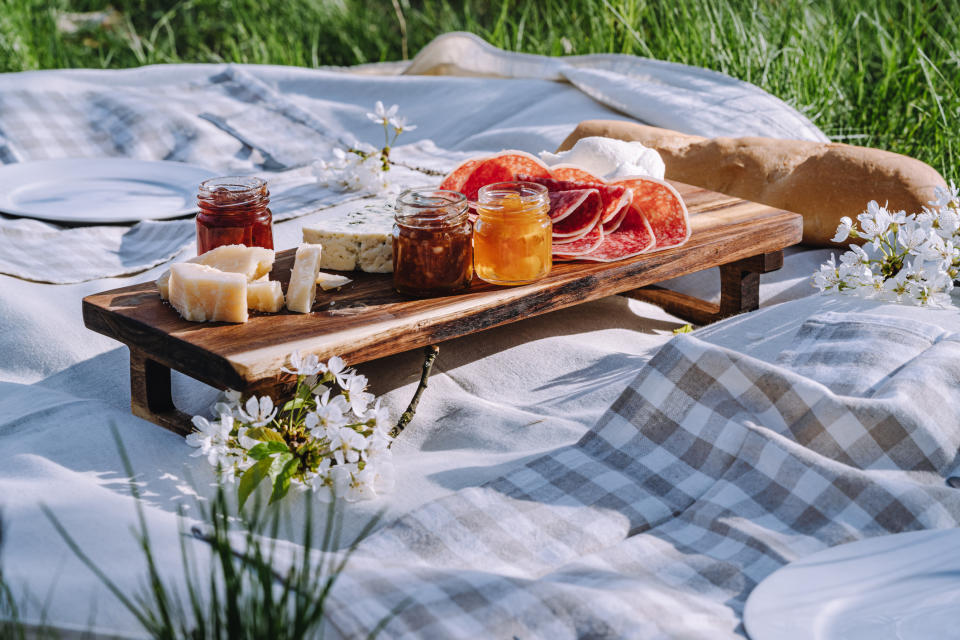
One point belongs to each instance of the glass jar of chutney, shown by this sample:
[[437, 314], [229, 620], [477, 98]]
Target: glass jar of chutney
[[432, 252], [234, 210], [513, 235]]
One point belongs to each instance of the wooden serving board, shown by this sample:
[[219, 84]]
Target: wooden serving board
[[366, 319]]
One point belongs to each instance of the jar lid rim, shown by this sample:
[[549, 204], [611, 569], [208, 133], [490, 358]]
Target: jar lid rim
[[529, 193]]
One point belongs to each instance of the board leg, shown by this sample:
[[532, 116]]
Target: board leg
[[739, 291], [150, 396]]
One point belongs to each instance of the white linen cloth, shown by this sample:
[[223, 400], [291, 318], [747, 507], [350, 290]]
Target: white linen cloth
[[271, 121], [710, 471], [496, 399]]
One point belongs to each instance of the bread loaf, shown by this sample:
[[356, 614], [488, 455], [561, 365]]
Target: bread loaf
[[822, 181]]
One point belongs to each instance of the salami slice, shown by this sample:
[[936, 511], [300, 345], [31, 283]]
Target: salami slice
[[663, 209], [506, 166], [631, 239], [564, 203], [613, 196], [568, 239], [458, 177], [573, 173], [612, 225], [583, 217], [584, 245]]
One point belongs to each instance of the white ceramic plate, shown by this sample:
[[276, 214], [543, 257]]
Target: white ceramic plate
[[100, 189], [904, 586]]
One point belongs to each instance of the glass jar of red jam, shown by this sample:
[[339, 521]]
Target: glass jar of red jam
[[233, 210], [432, 247]]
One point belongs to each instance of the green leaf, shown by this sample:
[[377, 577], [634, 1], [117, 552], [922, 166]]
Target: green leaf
[[263, 434], [251, 478], [264, 449], [278, 463], [687, 328], [296, 403], [281, 484]]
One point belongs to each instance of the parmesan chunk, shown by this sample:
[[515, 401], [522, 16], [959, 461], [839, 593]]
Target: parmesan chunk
[[201, 293], [329, 281], [252, 262], [264, 295], [303, 278]]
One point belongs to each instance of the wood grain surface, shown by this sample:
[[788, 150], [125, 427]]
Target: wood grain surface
[[366, 319]]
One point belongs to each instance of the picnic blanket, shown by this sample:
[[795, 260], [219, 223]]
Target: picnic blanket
[[710, 471], [240, 120], [496, 401]]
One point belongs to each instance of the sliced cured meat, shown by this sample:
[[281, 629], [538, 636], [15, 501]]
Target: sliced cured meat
[[571, 238], [613, 196], [612, 225], [614, 210], [503, 167], [573, 173], [663, 208], [583, 217], [458, 177], [564, 203], [581, 246], [631, 239]]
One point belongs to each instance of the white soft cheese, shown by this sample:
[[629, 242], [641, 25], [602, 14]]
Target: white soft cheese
[[355, 239], [264, 295], [303, 278], [203, 294], [252, 262], [609, 158]]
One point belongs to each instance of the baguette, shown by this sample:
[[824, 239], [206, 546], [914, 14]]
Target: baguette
[[821, 181]]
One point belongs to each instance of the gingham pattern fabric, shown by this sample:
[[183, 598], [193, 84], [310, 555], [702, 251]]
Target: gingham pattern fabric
[[232, 124], [710, 471]]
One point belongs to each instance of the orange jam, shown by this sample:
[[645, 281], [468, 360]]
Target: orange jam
[[512, 236]]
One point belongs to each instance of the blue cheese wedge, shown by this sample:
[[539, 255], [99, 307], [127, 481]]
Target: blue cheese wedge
[[303, 278], [355, 239]]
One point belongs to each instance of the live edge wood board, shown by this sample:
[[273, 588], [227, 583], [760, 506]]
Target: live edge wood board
[[366, 319]]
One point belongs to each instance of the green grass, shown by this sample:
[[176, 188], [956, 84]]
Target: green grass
[[881, 73]]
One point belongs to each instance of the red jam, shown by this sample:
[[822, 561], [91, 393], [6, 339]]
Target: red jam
[[432, 253], [234, 210]]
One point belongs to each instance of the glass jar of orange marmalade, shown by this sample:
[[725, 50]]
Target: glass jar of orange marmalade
[[432, 254], [233, 210], [512, 236]]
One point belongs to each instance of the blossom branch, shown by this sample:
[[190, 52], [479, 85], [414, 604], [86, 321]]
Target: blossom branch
[[430, 354]]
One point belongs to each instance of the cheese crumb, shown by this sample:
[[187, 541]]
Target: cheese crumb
[[329, 281]]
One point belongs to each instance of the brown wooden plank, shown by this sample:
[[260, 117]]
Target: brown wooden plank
[[366, 319]]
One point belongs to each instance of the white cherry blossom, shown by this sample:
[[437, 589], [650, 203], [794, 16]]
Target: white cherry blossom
[[304, 365], [258, 412], [843, 230]]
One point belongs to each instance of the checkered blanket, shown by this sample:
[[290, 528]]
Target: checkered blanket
[[230, 122], [710, 471]]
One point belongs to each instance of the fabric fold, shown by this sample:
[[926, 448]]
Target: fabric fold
[[710, 471]]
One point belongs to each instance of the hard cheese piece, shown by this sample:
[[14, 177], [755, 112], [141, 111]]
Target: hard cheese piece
[[303, 278], [358, 239], [252, 262], [265, 295], [201, 293], [329, 281]]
